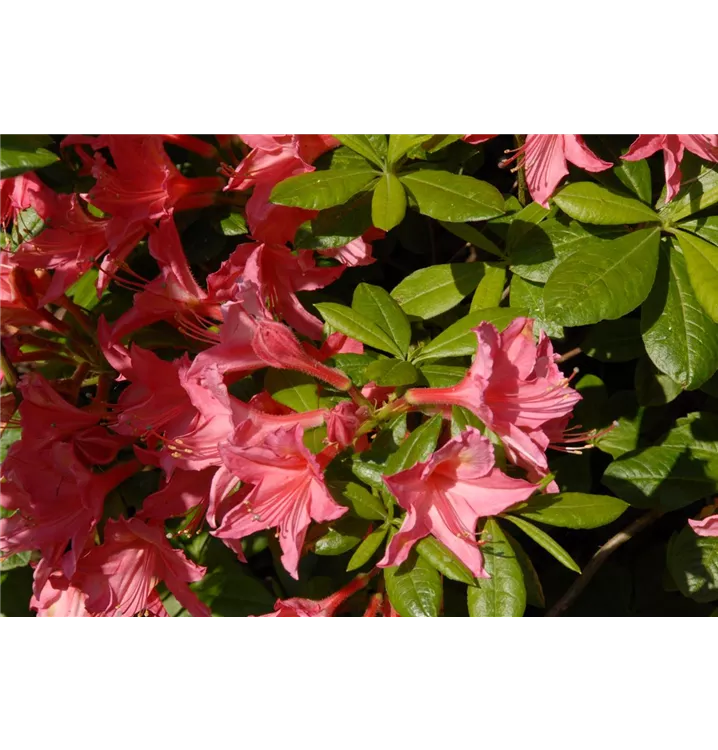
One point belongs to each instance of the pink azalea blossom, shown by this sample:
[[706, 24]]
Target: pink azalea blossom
[[474, 140], [59, 598], [343, 421], [673, 146], [544, 158], [122, 574], [447, 494], [515, 388], [706, 526], [25, 191], [289, 491], [297, 607], [20, 295]]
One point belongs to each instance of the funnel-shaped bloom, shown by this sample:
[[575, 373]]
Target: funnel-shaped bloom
[[121, 574], [25, 191], [705, 526], [297, 607], [544, 158], [673, 146], [447, 494], [515, 388], [289, 491]]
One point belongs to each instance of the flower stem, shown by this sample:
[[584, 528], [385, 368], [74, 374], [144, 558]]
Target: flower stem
[[599, 558]]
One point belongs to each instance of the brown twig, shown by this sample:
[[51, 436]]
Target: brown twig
[[599, 558], [570, 354]]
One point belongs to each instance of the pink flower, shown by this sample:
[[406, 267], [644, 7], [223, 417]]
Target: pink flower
[[288, 492], [474, 140], [706, 526], [20, 295], [515, 388], [59, 598], [544, 158], [343, 421], [123, 572], [447, 494], [705, 146], [323, 607], [25, 191]]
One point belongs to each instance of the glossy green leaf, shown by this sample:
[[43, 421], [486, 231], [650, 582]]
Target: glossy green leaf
[[18, 560], [23, 153], [529, 296], [293, 389], [318, 190], [473, 236], [693, 564], [392, 372], [594, 204], [534, 590], [624, 408], [400, 145], [504, 593], [354, 365], [705, 227], [378, 306], [417, 446], [490, 289], [364, 145], [84, 291], [344, 222], [697, 432], [680, 338], [654, 388], [365, 551], [414, 588], [458, 340], [442, 376], [538, 252], [369, 472], [614, 340], [388, 204], [461, 418], [234, 224], [351, 323], [452, 197], [702, 263], [636, 176], [573, 510], [603, 281], [696, 194], [358, 498], [444, 560], [660, 477], [544, 540], [343, 535], [431, 291]]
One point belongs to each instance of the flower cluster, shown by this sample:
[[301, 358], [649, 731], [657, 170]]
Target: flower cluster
[[173, 385]]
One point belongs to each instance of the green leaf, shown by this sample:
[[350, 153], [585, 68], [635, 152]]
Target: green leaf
[[544, 540], [603, 281], [702, 262], [417, 446], [504, 593], [680, 338], [444, 560], [534, 590], [351, 323], [653, 388], [624, 408], [369, 472], [344, 222], [458, 340], [363, 145], [529, 295], [365, 551], [442, 376], [697, 432], [414, 588], [490, 289], [318, 190], [388, 204], [343, 535], [614, 340], [594, 204], [84, 292], [660, 477], [535, 256], [354, 365], [695, 195], [705, 227], [23, 153], [400, 145], [573, 510], [693, 564], [461, 418], [431, 291], [233, 224], [472, 235], [386, 372], [18, 560], [451, 197], [293, 389], [636, 176], [378, 306], [358, 498]]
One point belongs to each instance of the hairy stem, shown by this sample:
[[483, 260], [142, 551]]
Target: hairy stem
[[599, 558]]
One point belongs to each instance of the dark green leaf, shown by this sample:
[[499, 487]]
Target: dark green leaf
[[534, 590], [358, 498], [233, 224], [378, 306], [351, 323], [624, 408], [461, 418], [23, 153], [490, 289], [318, 190], [392, 372], [442, 376], [417, 447], [293, 389], [84, 292], [693, 564], [594, 204], [653, 388], [444, 560], [414, 588], [366, 146], [614, 340], [18, 560], [529, 296], [702, 262], [697, 432], [354, 365], [365, 551], [695, 195], [343, 535], [544, 540], [400, 145], [573, 510]]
